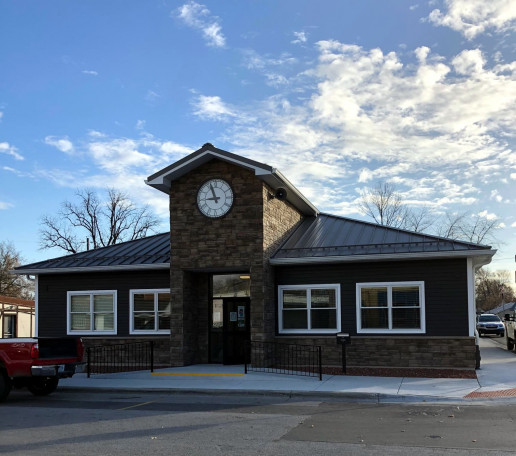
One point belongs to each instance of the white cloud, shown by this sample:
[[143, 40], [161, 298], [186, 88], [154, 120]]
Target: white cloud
[[4, 206], [365, 175], [212, 108], [172, 148], [513, 225], [6, 148], [1, 115], [151, 96], [90, 72], [487, 215], [268, 66], [118, 155], [199, 17], [62, 144], [300, 37], [474, 17], [469, 62], [96, 134], [368, 115]]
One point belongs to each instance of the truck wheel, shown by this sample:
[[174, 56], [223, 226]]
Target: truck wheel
[[5, 385], [510, 343], [42, 386]]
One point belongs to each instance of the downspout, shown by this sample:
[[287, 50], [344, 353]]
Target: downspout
[[472, 311], [36, 306]]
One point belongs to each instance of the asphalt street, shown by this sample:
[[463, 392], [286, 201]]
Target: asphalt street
[[105, 423]]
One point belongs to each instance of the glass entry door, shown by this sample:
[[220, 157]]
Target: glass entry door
[[235, 329], [230, 330]]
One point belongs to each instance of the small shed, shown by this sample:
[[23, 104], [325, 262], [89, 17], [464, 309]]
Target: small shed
[[16, 317]]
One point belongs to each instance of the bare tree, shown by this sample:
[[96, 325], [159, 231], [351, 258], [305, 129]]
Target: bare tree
[[419, 220], [384, 205], [104, 223], [471, 228], [13, 285], [493, 288]]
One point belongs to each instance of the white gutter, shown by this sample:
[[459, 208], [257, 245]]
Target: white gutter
[[135, 267], [386, 257]]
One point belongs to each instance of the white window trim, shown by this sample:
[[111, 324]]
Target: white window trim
[[390, 285], [333, 286], [69, 294], [155, 291]]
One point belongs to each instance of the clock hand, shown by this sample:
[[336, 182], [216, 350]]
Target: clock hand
[[215, 197]]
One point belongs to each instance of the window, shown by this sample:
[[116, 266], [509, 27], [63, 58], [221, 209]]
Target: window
[[309, 308], [396, 307], [150, 311], [91, 312]]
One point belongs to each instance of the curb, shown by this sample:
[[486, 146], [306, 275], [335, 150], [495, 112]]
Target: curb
[[347, 396]]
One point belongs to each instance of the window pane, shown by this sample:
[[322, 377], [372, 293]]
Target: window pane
[[323, 298], [144, 321], [406, 318], [217, 316], [104, 322], [229, 285], [295, 319], [294, 299], [164, 320], [143, 302], [80, 303], [405, 296], [324, 319], [375, 319], [164, 302], [80, 322], [103, 303], [373, 297]]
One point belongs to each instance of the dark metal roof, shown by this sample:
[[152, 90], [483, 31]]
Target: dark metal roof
[[332, 236], [147, 252], [322, 238]]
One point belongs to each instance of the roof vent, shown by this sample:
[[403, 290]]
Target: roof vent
[[208, 145]]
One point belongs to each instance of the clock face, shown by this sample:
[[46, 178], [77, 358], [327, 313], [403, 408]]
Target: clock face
[[215, 198]]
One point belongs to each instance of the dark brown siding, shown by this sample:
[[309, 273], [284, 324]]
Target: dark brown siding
[[53, 288], [446, 298]]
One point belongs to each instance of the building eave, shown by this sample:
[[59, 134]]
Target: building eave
[[78, 269], [482, 257]]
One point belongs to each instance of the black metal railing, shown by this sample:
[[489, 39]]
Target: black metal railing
[[280, 358], [107, 359]]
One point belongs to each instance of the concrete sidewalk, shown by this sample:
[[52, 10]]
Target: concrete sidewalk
[[496, 378]]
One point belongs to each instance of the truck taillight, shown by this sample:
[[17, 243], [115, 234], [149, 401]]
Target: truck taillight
[[34, 352]]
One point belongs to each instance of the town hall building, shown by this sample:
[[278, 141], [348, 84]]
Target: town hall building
[[249, 259]]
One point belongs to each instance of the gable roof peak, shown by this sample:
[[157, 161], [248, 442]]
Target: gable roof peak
[[162, 179]]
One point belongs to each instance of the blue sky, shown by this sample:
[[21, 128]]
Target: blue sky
[[336, 94]]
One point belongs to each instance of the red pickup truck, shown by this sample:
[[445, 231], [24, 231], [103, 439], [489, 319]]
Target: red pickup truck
[[38, 363]]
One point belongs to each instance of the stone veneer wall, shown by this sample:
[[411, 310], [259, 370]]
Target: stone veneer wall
[[394, 352], [241, 241], [280, 218]]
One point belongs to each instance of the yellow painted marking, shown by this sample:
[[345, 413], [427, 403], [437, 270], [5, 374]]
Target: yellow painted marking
[[136, 405], [197, 374]]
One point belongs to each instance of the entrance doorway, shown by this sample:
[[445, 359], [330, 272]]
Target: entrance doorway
[[230, 319], [9, 330]]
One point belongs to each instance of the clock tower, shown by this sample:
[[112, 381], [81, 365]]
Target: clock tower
[[228, 214]]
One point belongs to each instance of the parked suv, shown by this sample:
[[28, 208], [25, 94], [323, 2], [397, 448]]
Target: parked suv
[[490, 324]]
